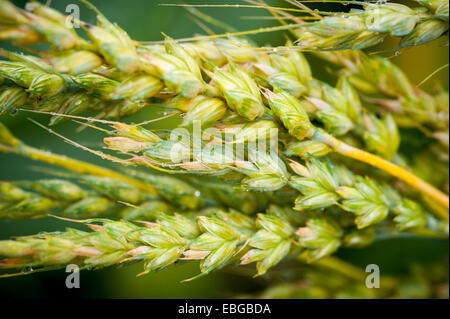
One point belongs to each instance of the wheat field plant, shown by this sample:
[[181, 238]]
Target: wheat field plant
[[282, 152]]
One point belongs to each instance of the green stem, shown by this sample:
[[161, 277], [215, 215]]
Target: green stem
[[342, 267], [351, 271]]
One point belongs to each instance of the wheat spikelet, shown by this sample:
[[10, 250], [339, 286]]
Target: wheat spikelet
[[364, 28], [409, 104]]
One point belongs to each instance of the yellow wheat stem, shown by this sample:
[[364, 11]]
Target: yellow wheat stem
[[78, 166], [10, 144], [394, 170]]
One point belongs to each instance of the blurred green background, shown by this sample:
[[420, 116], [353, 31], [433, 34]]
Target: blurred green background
[[145, 20]]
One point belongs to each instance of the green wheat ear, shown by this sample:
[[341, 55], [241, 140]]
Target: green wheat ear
[[341, 176]]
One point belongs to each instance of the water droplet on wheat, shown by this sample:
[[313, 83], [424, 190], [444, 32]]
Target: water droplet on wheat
[[26, 269]]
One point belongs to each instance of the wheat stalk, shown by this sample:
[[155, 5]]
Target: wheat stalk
[[26, 200], [320, 183], [107, 196], [218, 240]]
